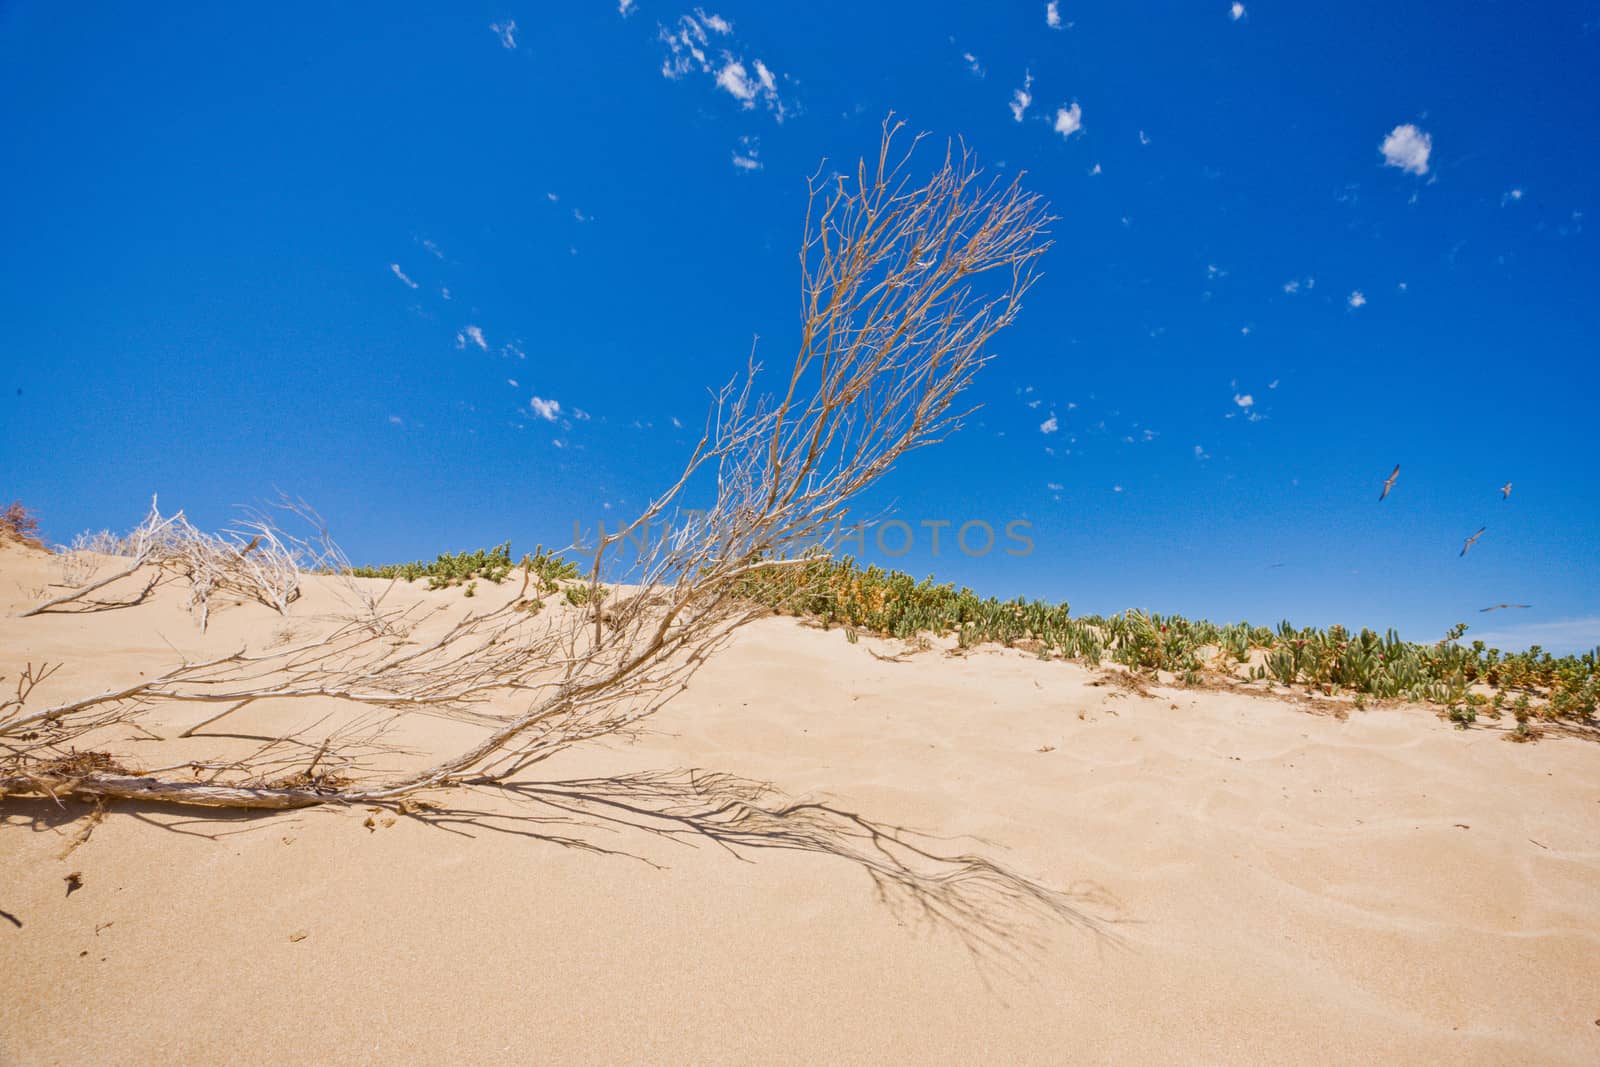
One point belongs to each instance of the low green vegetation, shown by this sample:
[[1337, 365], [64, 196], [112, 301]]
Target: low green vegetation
[[467, 568], [1462, 679]]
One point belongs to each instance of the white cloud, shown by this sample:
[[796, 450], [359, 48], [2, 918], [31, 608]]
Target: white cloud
[[1094, 169], [1144, 138], [1408, 148], [552, 197], [433, 248], [1052, 14], [445, 292], [676, 425], [1357, 299], [1511, 196], [1201, 453], [1069, 120], [733, 78], [545, 409], [1049, 425], [506, 33], [396, 420], [473, 334], [747, 155], [687, 45], [511, 382], [1236, 12], [972, 63], [1054, 487], [625, 7], [1021, 98], [398, 273], [1292, 285], [1272, 384], [1244, 400]]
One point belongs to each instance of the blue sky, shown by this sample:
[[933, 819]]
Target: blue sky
[[357, 251]]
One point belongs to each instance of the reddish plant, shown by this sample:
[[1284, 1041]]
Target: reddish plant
[[17, 523]]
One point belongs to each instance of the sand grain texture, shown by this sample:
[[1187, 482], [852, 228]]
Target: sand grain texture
[[1274, 885]]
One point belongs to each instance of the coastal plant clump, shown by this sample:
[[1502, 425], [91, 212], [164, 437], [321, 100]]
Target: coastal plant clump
[[546, 569], [1461, 679], [19, 523], [448, 569]]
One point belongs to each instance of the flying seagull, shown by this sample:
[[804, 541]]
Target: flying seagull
[[1505, 491], [1472, 540], [1388, 483], [1497, 607]]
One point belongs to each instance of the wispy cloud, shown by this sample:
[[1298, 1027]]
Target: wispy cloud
[[398, 273], [507, 32], [1069, 120], [473, 334], [1049, 425], [689, 44], [972, 63], [748, 155], [624, 8], [1052, 14], [1511, 196], [1244, 400], [1357, 299], [1408, 148], [1021, 98], [1236, 12], [549, 410]]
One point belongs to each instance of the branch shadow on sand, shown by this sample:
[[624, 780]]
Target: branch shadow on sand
[[997, 914]]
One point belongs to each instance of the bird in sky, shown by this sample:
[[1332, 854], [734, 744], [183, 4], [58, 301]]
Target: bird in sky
[[1505, 491], [1497, 607], [1472, 540], [1388, 483]]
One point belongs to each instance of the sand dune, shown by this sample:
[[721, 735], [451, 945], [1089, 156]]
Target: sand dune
[[1245, 880]]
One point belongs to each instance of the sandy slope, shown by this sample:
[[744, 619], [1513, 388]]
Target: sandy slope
[[1273, 884]]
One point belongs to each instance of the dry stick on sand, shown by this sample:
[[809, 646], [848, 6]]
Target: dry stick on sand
[[903, 285], [252, 558]]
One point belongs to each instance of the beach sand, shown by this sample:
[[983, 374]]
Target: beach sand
[[1254, 881]]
